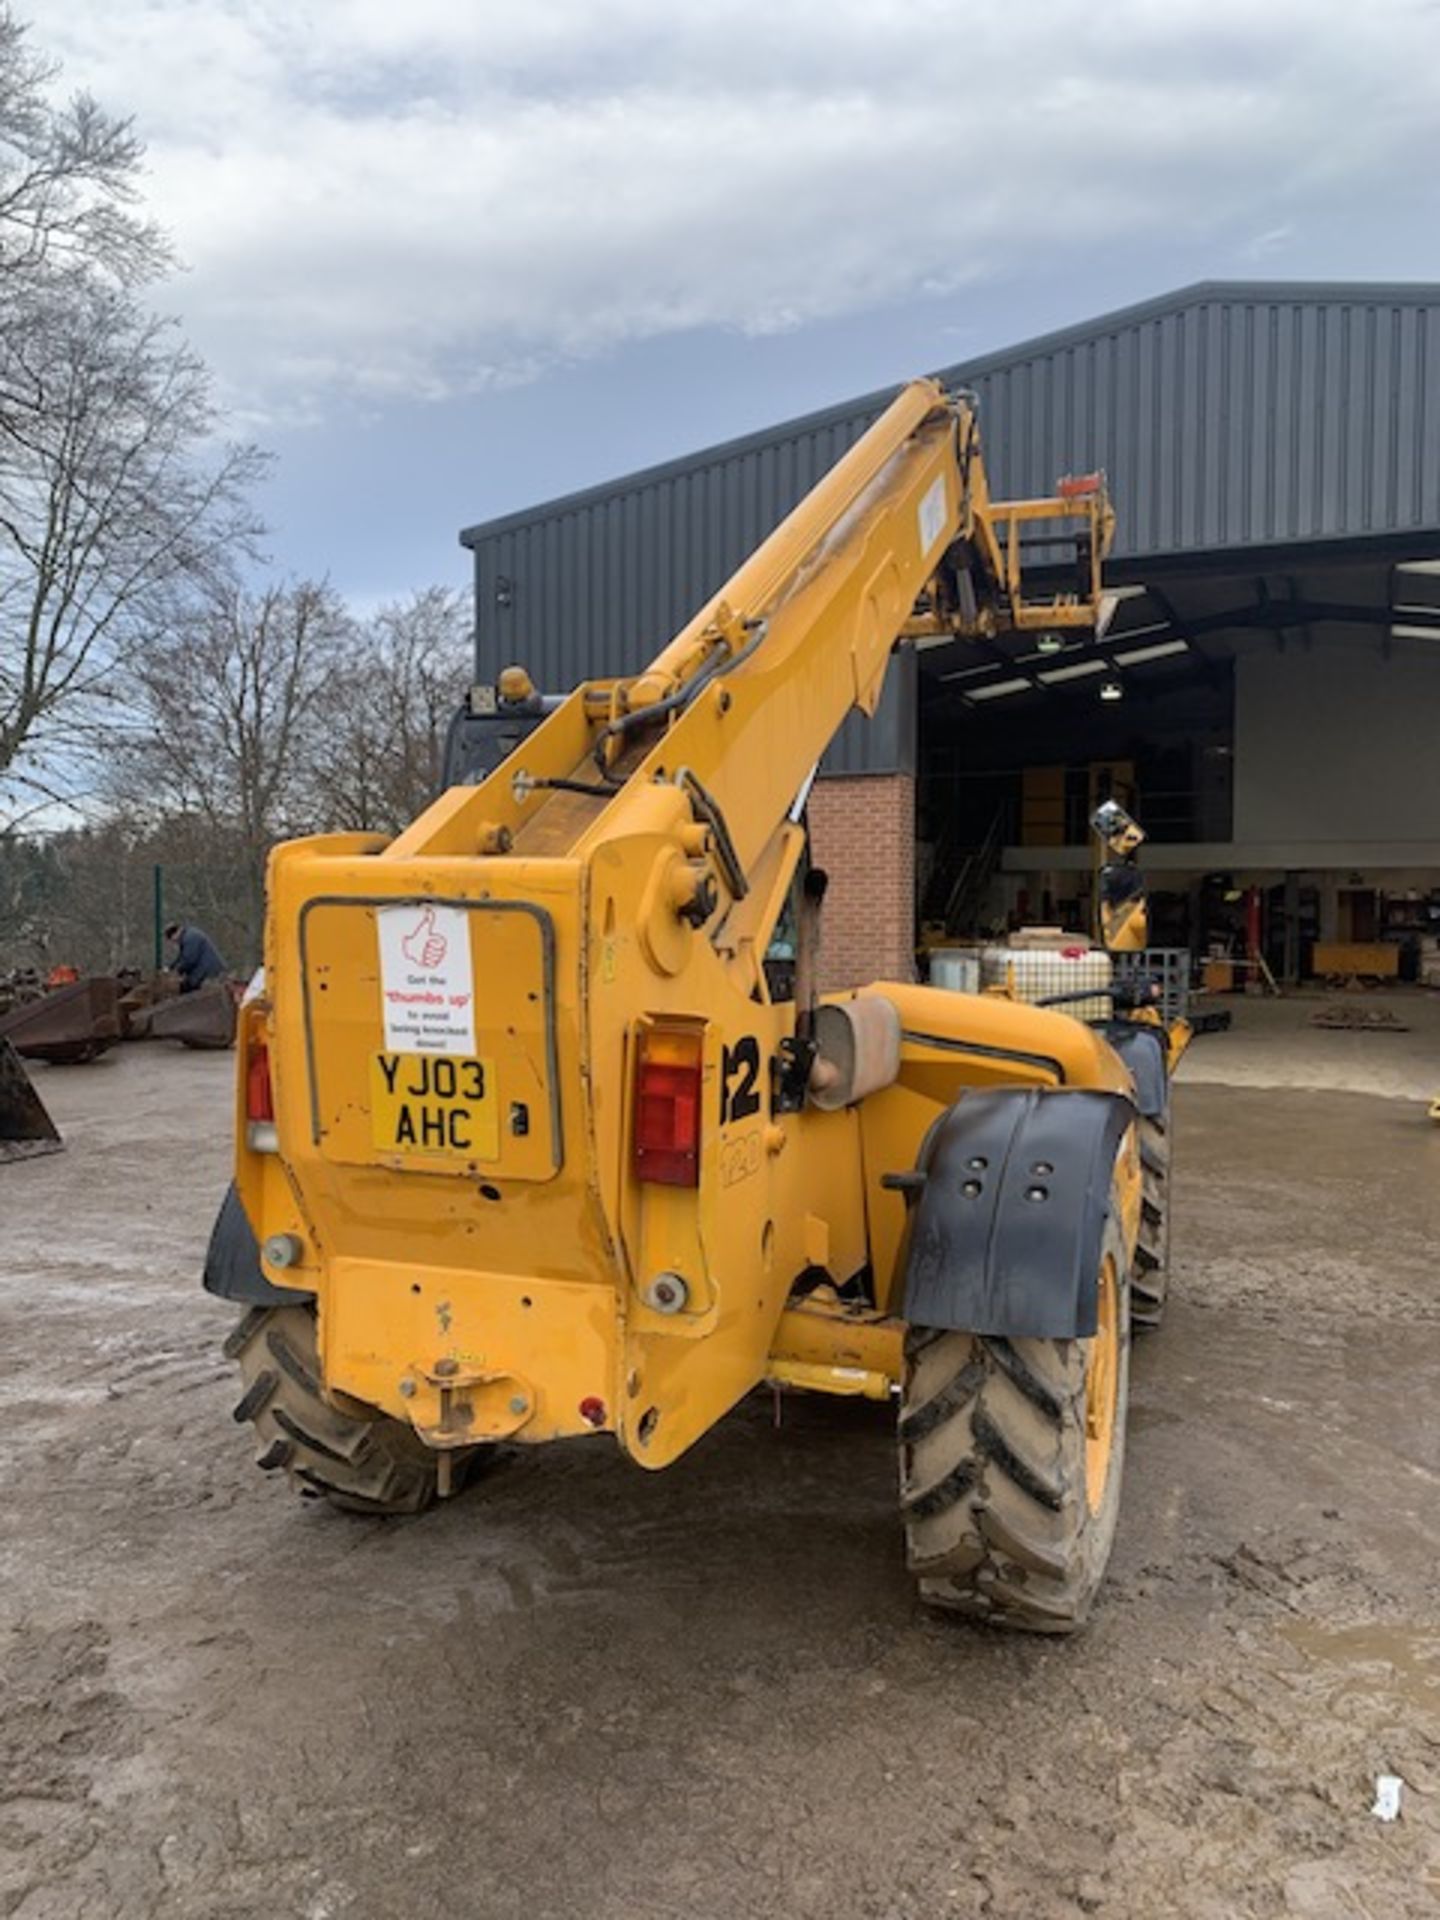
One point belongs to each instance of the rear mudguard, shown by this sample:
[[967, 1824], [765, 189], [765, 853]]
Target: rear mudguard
[[1008, 1212], [1142, 1048], [232, 1262]]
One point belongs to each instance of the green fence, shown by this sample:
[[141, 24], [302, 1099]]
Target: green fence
[[93, 902]]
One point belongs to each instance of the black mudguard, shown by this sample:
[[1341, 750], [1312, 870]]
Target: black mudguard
[[232, 1262], [1142, 1047], [1005, 1233]]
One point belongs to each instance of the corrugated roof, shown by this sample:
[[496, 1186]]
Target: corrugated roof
[[1230, 415], [1399, 294]]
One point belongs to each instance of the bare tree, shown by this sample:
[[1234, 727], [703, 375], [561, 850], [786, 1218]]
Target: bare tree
[[115, 505], [231, 708], [230, 717], [378, 758], [263, 715], [83, 897], [68, 178], [109, 525]]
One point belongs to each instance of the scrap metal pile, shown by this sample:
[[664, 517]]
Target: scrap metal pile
[[70, 1018], [26, 1129], [65, 1019]]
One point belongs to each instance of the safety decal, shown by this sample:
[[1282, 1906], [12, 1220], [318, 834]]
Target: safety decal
[[427, 985], [932, 515]]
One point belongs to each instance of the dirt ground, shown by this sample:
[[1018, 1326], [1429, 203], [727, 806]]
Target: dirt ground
[[1275, 1043], [584, 1690]]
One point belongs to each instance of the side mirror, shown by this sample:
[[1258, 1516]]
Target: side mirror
[[1115, 827]]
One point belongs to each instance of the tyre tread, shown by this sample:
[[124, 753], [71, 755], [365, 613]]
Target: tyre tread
[[363, 1464], [1150, 1282], [993, 1498]]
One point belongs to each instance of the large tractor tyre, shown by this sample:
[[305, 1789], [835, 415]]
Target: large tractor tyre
[[1011, 1455], [1150, 1281], [363, 1462]]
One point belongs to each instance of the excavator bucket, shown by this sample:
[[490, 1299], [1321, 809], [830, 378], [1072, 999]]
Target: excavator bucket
[[26, 1129], [140, 994], [205, 1018], [70, 1024]]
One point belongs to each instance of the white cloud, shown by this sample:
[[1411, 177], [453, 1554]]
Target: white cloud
[[1263, 246], [378, 199]]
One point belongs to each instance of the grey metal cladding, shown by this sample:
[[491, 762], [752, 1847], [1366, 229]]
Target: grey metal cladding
[[1229, 415], [1232, 415]]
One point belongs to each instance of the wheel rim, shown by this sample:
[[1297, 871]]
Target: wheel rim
[[1102, 1387]]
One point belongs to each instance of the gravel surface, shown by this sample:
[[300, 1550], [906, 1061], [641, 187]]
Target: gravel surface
[[583, 1689]]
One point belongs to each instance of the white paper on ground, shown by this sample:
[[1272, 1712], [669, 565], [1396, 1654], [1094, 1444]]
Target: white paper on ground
[[1387, 1796]]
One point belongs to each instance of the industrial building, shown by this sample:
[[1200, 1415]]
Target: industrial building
[[1266, 696]]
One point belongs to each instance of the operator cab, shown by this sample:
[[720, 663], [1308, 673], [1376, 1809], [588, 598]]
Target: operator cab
[[490, 724]]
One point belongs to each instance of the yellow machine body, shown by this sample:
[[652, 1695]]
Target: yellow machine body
[[454, 1020]]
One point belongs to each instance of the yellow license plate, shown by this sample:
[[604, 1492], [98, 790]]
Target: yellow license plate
[[434, 1103]]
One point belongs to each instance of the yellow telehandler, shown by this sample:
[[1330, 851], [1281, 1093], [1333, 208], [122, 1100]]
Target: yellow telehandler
[[543, 1129]]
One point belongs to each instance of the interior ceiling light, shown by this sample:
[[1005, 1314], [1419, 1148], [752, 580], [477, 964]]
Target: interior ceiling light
[[1050, 643], [1054, 676], [1161, 651], [995, 689], [1111, 690], [967, 673], [1418, 566], [1141, 633], [1415, 633]]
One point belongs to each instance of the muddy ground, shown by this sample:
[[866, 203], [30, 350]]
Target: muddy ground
[[584, 1690]]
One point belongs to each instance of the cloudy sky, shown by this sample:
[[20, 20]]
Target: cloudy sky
[[449, 257]]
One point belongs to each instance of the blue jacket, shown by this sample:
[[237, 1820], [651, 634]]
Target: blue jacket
[[196, 960]]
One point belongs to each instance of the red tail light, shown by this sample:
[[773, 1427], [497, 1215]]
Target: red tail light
[[667, 1105], [259, 1100]]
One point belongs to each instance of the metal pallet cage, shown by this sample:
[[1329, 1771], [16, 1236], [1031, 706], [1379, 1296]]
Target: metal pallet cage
[[1167, 968]]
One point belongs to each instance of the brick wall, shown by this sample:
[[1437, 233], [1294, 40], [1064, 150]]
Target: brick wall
[[862, 831]]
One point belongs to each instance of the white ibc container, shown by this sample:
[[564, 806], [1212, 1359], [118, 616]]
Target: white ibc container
[[1036, 974], [955, 968]]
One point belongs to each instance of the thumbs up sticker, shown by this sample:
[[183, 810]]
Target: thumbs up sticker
[[427, 982], [424, 946]]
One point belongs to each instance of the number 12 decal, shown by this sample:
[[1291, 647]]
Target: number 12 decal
[[740, 1095]]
